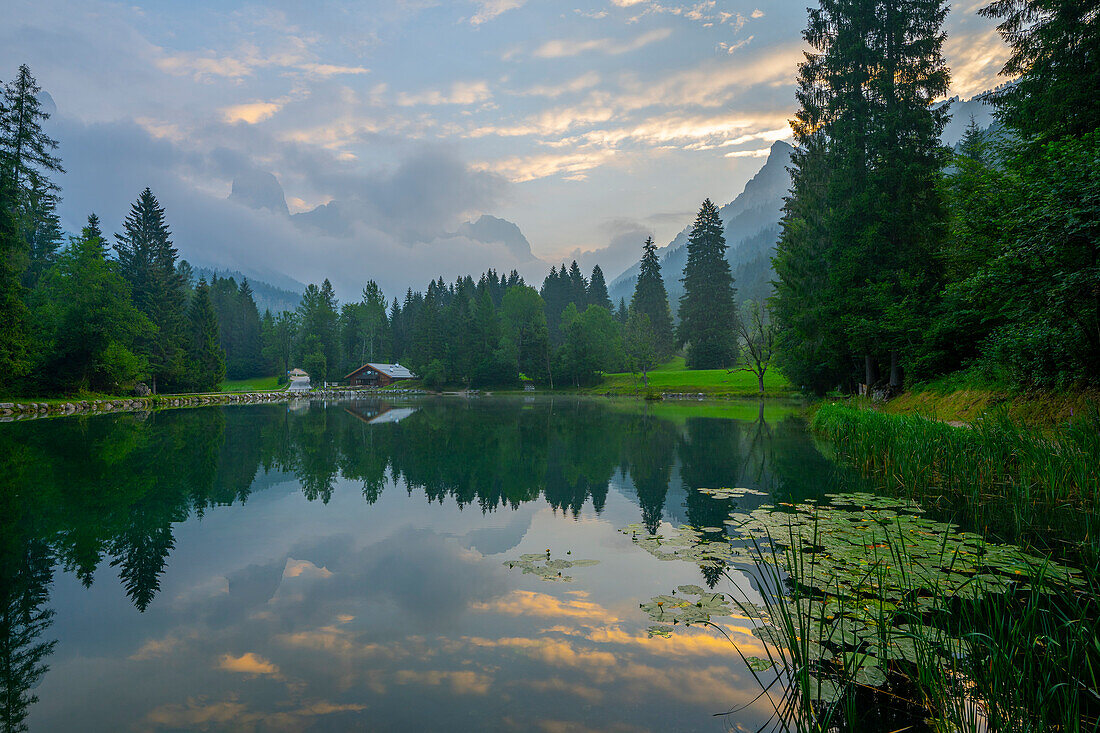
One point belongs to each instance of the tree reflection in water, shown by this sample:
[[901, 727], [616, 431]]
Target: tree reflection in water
[[84, 491]]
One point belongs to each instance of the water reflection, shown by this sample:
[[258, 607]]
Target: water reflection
[[418, 611]]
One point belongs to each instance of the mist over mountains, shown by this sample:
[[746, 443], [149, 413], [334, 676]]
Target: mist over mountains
[[752, 219]]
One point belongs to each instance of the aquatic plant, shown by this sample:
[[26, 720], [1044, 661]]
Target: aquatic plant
[[541, 564], [863, 597]]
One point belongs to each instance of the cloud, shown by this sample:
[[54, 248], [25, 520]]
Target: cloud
[[248, 663], [251, 112], [489, 9], [461, 92], [552, 91], [562, 48]]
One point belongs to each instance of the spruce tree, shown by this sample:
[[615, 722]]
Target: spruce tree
[[869, 236], [1055, 65], [578, 287], [147, 260], [14, 344], [708, 319], [651, 298], [205, 357], [26, 151], [597, 290]]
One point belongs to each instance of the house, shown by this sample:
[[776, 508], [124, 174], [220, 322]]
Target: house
[[296, 374], [378, 375]]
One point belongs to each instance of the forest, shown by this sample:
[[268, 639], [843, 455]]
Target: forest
[[899, 260]]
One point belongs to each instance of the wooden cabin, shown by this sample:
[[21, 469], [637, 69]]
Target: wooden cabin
[[378, 375]]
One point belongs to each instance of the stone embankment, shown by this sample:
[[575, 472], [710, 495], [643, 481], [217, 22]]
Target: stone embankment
[[10, 411]]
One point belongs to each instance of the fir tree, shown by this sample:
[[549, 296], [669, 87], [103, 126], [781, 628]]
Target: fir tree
[[651, 298], [708, 319], [597, 290], [147, 260]]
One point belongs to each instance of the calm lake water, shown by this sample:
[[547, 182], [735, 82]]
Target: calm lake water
[[344, 565]]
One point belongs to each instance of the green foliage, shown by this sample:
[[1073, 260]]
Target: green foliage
[[593, 344], [708, 319], [434, 374], [855, 259], [316, 366], [147, 261], [205, 357], [640, 345], [317, 327], [597, 290], [524, 317], [85, 321], [239, 327], [1055, 45]]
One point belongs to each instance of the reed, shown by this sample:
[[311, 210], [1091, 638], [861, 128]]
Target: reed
[[996, 476]]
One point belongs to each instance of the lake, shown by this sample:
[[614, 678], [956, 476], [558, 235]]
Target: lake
[[345, 565]]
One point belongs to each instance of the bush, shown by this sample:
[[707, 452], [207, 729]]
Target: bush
[[435, 375]]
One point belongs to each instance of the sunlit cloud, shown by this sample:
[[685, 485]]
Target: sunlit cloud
[[489, 9], [248, 663], [250, 112], [543, 605], [561, 48], [461, 93]]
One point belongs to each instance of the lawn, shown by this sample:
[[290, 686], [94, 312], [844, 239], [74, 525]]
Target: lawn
[[252, 384], [673, 377]]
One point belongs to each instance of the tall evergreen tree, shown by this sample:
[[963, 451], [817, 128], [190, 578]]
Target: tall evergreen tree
[[205, 357], [651, 298], [85, 322], [26, 151], [578, 287], [866, 120], [708, 318], [14, 360], [597, 290], [147, 260]]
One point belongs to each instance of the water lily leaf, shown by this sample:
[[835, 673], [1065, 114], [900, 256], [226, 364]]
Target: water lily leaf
[[756, 664]]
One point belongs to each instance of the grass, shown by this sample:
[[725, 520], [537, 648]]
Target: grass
[[674, 377], [252, 384]]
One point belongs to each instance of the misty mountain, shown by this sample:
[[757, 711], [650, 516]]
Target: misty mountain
[[259, 190], [751, 223], [752, 219], [489, 229], [267, 296]]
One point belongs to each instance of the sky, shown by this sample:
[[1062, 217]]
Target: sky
[[590, 125]]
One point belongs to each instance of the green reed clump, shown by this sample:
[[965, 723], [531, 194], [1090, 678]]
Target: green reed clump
[[1004, 476]]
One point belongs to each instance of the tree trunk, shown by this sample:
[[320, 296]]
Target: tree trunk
[[760, 381], [870, 371], [895, 370]]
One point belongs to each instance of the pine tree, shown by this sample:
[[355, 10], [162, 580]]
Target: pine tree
[[147, 260], [597, 290], [40, 228], [651, 298], [622, 314], [205, 357], [708, 319]]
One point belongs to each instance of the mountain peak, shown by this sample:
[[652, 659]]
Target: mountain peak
[[491, 229], [259, 190]]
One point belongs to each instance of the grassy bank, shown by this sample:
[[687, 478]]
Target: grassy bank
[[674, 377], [958, 399], [252, 384]]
